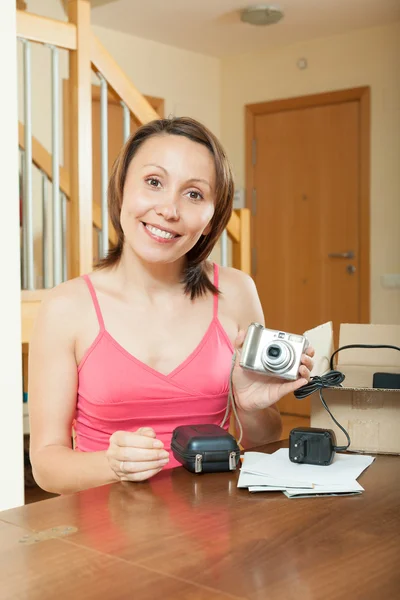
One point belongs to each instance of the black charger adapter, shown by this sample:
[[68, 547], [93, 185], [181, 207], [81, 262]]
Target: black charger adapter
[[388, 381], [312, 446]]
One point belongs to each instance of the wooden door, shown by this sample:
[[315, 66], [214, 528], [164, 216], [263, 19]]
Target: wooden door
[[307, 231]]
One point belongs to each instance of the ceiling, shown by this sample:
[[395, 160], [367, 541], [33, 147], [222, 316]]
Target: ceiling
[[213, 26]]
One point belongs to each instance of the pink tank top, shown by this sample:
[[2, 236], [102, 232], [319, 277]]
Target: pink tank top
[[116, 391]]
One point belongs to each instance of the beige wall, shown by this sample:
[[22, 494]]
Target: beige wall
[[188, 82], [11, 434], [368, 57]]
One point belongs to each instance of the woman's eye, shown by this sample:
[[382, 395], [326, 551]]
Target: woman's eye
[[195, 195], [153, 182]]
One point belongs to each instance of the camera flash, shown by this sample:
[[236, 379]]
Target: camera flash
[[295, 338]]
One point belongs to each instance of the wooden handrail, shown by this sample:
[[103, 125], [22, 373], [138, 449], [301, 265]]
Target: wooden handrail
[[33, 295], [30, 304], [97, 220], [103, 62], [42, 160], [233, 227], [46, 31]]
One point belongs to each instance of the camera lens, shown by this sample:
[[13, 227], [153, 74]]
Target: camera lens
[[278, 356], [274, 351]]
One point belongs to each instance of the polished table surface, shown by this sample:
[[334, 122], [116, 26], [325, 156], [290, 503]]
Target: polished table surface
[[191, 537]]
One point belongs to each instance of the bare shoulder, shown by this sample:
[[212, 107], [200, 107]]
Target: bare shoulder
[[62, 306], [239, 296], [66, 296], [236, 283]]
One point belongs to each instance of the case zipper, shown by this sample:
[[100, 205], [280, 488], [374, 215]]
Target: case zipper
[[198, 463], [232, 461]]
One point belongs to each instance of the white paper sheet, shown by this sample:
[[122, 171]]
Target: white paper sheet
[[344, 469], [268, 488], [350, 487], [247, 477]]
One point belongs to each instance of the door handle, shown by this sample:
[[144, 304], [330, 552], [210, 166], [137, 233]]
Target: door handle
[[348, 255]]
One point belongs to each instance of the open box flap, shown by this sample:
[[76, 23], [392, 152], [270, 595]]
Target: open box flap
[[321, 338]]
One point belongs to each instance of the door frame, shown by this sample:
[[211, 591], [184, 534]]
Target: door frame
[[361, 95]]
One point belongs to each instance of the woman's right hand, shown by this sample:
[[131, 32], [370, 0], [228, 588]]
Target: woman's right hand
[[136, 456]]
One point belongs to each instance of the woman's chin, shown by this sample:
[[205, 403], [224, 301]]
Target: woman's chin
[[156, 256]]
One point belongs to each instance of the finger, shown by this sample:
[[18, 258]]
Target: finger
[[304, 372], [134, 440], [127, 454], [146, 431], [149, 432], [307, 361], [310, 351], [292, 386], [140, 476], [139, 467]]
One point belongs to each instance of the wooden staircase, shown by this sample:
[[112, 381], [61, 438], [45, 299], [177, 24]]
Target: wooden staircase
[[87, 54]]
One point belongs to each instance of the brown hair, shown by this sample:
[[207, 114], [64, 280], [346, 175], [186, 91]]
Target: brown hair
[[195, 275]]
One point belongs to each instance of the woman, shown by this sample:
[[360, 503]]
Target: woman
[[145, 342]]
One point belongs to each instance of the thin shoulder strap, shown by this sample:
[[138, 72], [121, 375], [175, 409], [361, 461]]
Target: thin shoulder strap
[[95, 301], [216, 279]]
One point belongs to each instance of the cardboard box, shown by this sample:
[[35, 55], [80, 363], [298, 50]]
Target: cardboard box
[[371, 416]]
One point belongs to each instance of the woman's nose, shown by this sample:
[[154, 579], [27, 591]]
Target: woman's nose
[[168, 209]]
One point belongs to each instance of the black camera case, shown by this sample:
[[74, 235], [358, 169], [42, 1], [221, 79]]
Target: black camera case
[[205, 448]]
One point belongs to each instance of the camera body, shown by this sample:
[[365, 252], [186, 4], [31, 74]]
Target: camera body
[[273, 353]]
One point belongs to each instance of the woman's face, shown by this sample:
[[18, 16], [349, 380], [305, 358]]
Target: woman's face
[[169, 198]]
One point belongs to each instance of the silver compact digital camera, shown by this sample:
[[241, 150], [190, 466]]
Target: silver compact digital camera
[[273, 353]]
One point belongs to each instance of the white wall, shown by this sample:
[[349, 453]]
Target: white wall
[[368, 57], [11, 436]]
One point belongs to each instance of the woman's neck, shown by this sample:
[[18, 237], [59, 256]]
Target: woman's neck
[[150, 278]]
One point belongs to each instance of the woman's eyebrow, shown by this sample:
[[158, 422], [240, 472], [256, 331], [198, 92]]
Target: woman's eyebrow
[[157, 166], [191, 180], [199, 180]]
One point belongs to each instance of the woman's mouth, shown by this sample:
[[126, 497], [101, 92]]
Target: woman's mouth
[[161, 235]]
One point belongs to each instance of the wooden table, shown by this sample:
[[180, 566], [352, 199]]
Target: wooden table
[[190, 537]]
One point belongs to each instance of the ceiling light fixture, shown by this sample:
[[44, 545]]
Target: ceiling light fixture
[[261, 14]]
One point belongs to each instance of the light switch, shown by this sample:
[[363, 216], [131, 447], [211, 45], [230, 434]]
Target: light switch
[[239, 200], [391, 280]]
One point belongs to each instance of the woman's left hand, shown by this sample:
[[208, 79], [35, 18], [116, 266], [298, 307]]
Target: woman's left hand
[[255, 391]]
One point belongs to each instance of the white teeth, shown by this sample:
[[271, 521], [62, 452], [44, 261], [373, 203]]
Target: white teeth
[[160, 233]]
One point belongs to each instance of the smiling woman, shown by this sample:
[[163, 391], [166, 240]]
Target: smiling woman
[[204, 178], [145, 343]]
